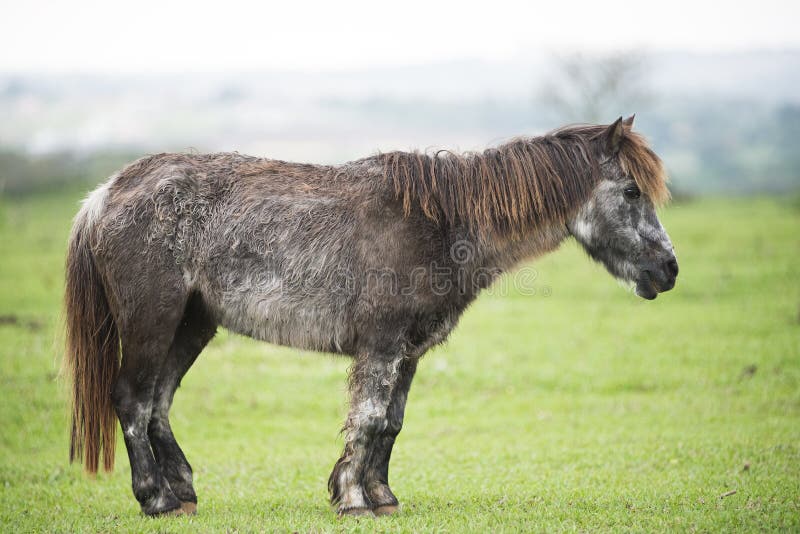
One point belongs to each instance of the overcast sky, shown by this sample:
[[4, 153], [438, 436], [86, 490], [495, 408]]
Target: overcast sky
[[195, 35]]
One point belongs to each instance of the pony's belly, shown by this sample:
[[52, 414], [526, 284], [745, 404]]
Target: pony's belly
[[303, 325]]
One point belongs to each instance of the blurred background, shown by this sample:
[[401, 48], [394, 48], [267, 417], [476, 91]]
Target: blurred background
[[87, 86], [580, 407]]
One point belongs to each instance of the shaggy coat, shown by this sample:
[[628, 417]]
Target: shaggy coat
[[375, 259]]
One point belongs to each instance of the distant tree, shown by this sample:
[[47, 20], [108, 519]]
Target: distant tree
[[595, 88]]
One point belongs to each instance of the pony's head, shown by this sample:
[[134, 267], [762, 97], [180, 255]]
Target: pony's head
[[618, 225]]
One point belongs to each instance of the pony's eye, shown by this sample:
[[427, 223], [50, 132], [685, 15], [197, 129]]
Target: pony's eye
[[632, 192]]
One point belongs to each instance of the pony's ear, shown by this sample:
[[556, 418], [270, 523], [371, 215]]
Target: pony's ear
[[629, 121], [613, 136]]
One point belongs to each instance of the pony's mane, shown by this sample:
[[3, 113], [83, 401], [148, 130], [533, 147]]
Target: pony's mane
[[524, 183]]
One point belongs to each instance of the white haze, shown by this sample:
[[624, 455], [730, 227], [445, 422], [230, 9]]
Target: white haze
[[199, 35]]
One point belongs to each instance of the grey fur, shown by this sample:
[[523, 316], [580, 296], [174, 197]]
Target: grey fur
[[315, 257]]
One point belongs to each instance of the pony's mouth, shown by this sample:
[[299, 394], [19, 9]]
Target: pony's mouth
[[646, 287]]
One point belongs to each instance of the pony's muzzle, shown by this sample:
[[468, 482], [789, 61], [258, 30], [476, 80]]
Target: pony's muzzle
[[657, 277]]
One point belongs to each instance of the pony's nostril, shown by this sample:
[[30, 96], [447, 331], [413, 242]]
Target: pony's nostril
[[672, 267]]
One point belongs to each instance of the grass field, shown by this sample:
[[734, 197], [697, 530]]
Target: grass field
[[579, 408]]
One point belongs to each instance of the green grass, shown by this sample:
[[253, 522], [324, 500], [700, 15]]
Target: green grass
[[579, 408]]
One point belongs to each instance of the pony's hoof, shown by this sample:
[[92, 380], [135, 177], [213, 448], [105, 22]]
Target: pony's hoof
[[386, 509], [355, 512], [175, 512], [189, 508], [163, 506]]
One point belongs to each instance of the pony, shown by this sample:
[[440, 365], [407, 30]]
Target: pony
[[375, 259]]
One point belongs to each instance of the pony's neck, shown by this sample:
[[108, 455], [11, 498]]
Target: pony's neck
[[504, 252]]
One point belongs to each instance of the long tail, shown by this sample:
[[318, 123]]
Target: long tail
[[92, 352]]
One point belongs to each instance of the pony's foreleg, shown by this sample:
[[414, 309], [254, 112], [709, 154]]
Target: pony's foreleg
[[372, 383], [376, 475]]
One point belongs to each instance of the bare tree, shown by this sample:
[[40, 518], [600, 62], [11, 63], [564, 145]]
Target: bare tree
[[589, 88]]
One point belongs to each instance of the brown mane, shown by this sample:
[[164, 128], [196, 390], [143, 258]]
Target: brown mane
[[521, 184]]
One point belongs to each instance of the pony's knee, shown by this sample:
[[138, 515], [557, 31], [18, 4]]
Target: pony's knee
[[369, 418]]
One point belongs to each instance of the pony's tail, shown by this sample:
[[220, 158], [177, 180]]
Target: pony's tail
[[92, 353]]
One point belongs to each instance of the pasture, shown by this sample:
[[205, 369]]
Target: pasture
[[578, 407]]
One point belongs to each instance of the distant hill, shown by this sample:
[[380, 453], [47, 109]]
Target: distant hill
[[724, 122]]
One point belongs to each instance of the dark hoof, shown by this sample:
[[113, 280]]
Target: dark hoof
[[163, 505], [168, 513], [386, 509], [189, 508], [355, 512]]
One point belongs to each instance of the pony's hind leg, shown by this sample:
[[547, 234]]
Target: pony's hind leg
[[147, 327], [194, 332]]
